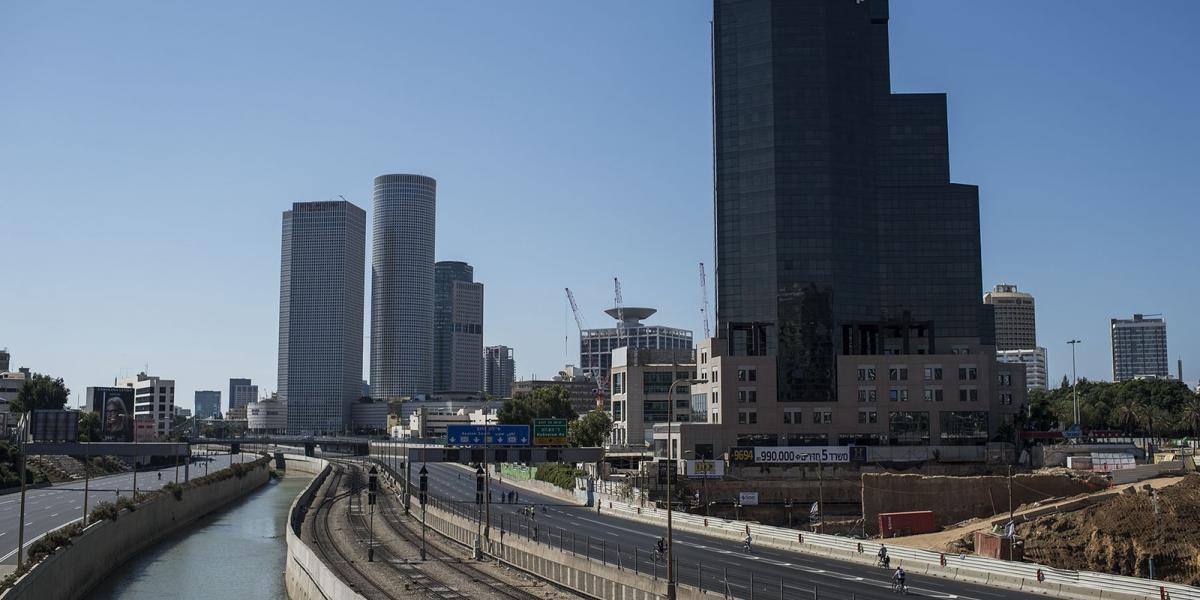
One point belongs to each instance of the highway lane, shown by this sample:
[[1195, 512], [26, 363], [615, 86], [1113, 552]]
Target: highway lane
[[717, 558], [49, 508]]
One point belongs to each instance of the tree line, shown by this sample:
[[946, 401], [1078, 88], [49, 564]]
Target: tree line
[[1153, 407], [553, 403]]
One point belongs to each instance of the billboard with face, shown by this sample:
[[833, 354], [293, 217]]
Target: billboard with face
[[115, 407]]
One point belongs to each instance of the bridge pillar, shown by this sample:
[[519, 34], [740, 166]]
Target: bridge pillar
[[235, 447], [310, 449], [279, 461]]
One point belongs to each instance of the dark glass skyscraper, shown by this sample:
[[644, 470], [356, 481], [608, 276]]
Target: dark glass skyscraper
[[835, 215]]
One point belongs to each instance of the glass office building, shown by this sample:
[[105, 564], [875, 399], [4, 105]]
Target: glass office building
[[321, 314], [458, 328], [835, 215], [402, 286]]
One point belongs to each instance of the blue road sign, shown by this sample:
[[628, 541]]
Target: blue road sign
[[492, 435]]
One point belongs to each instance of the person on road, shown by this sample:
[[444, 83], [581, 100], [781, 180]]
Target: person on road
[[746, 542], [661, 547], [898, 580], [883, 557], [160, 475]]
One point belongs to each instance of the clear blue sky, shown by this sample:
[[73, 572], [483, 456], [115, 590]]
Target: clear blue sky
[[147, 150]]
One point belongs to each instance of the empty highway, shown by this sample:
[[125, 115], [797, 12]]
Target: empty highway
[[49, 508]]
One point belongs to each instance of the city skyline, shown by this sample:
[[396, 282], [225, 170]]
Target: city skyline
[[1024, 202]]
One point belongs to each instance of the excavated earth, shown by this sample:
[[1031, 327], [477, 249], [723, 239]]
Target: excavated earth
[[1121, 535]]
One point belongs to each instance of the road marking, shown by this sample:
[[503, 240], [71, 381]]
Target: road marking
[[53, 515]]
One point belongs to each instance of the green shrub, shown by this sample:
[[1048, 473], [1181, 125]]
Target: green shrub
[[105, 511], [175, 489], [560, 475], [127, 503]]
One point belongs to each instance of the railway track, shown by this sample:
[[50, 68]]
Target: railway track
[[416, 580], [502, 588]]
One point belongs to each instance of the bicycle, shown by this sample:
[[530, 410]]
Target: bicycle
[[883, 562], [659, 554], [900, 587]]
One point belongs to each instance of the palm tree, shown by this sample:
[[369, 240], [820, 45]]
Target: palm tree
[[1129, 411], [1189, 415]]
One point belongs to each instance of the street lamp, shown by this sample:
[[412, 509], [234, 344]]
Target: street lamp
[[671, 459], [1074, 383]]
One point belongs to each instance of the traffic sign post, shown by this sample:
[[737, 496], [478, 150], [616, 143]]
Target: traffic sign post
[[550, 432], [487, 435]]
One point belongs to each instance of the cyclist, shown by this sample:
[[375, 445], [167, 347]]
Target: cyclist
[[883, 557], [746, 543], [898, 581], [660, 548]]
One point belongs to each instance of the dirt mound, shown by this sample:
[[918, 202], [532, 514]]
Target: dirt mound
[[1121, 535]]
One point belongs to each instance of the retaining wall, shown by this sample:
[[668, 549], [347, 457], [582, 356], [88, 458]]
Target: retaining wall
[[105, 545], [955, 499], [305, 575]]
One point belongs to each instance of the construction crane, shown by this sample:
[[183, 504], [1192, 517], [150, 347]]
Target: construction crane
[[619, 303], [595, 371], [704, 301]]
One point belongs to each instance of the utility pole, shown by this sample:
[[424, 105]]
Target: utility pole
[[1074, 382], [820, 496], [1011, 522]]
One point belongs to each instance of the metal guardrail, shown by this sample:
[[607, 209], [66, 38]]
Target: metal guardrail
[[948, 563]]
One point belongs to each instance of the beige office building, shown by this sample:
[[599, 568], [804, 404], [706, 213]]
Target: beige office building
[[916, 399], [641, 395], [1016, 325]]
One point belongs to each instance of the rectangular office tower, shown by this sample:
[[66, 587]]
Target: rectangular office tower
[[837, 225], [207, 403], [1139, 348], [321, 314], [458, 328]]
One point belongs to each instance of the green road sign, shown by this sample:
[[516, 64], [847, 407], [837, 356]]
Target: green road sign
[[550, 432]]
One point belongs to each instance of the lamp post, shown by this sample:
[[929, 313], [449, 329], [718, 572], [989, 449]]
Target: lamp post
[[1074, 383], [671, 459]]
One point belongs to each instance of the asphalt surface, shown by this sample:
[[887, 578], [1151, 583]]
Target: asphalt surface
[[721, 562], [49, 508]]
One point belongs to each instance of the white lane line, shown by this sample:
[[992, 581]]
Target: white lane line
[[53, 515], [36, 538]]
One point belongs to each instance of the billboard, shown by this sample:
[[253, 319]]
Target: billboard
[[748, 498], [115, 407], [54, 426], [801, 454], [704, 469]]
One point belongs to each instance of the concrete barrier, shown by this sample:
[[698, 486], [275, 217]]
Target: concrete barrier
[[105, 545], [306, 576]]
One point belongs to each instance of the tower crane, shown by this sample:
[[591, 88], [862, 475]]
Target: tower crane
[[704, 301], [596, 371]]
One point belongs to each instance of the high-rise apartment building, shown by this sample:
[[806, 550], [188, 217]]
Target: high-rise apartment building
[[499, 369], [1016, 327], [1139, 347], [1036, 369], [596, 345], [837, 225], [402, 286], [234, 400], [153, 403], [208, 403], [458, 328], [5, 358], [321, 314]]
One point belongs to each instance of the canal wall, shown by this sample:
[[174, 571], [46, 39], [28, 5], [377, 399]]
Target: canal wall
[[70, 572], [306, 576]]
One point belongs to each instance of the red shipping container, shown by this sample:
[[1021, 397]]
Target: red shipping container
[[906, 523]]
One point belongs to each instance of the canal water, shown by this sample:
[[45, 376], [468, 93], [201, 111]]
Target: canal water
[[238, 552]]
